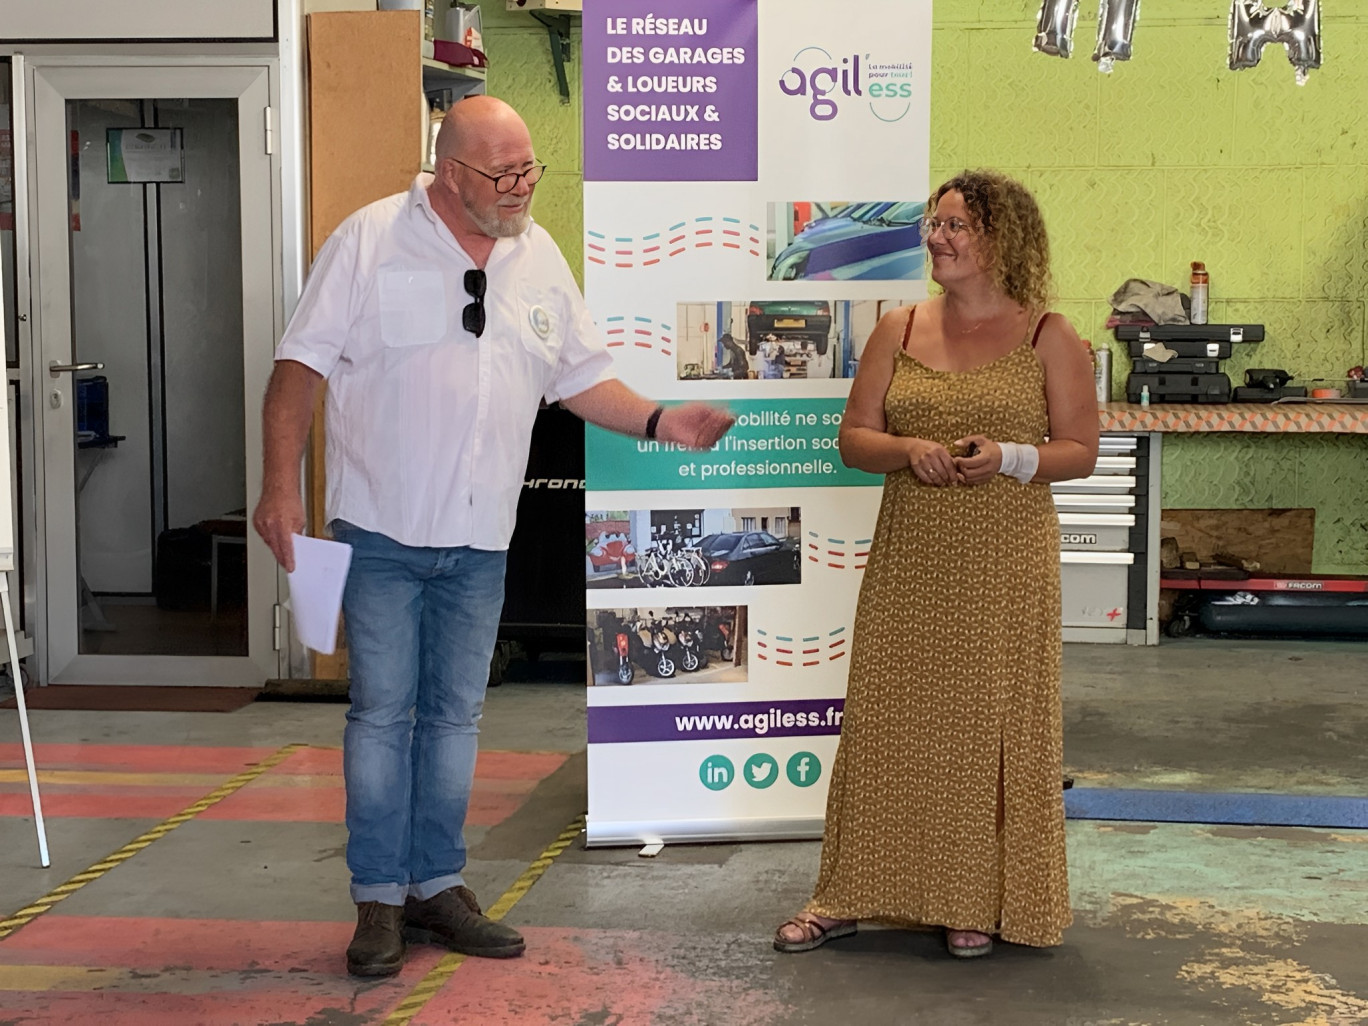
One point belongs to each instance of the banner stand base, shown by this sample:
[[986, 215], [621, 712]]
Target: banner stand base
[[626, 834]]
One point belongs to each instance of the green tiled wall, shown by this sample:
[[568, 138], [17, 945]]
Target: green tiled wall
[[1171, 158], [1174, 158], [521, 72]]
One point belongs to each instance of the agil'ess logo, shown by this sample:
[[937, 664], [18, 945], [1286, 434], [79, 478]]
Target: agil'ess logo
[[821, 79]]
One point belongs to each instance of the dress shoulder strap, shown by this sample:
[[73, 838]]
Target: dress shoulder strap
[[907, 332], [1039, 325]]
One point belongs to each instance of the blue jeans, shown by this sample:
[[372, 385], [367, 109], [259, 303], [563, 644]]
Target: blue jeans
[[421, 626]]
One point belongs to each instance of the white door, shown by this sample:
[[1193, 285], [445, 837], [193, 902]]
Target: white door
[[154, 264]]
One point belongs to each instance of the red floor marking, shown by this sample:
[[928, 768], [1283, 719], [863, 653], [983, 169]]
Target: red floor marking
[[292, 971], [503, 765], [489, 806], [201, 944], [276, 805], [233, 1002], [308, 761], [617, 976], [307, 787], [98, 806], [146, 758]]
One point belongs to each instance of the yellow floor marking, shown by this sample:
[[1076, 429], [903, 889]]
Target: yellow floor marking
[[18, 978], [29, 913], [97, 777], [430, 984]]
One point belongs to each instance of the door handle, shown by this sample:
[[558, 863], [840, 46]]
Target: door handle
[[55, 368]]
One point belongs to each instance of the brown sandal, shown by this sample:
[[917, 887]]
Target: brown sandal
[[814, 933]]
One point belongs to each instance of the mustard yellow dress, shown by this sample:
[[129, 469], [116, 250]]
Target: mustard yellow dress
[[945, 805]]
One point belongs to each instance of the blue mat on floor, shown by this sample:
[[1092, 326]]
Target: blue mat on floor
[[1197, 807]]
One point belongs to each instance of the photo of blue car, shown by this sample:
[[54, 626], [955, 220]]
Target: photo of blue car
[[870, 241]]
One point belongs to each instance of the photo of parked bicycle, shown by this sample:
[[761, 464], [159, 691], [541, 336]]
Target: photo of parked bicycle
[[692, 548], [678, 644]]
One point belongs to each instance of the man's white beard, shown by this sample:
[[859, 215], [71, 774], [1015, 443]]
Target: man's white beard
[[494, 226]]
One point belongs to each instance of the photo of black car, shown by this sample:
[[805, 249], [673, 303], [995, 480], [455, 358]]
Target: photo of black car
[[693, 548], [751, 557]]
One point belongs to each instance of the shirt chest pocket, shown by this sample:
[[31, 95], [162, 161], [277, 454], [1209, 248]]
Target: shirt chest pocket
[[413, 308], [540, 329]]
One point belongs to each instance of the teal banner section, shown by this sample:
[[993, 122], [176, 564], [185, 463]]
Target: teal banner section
[[776, 443]]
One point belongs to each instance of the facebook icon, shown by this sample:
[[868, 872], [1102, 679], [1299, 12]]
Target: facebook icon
[[804, 769]]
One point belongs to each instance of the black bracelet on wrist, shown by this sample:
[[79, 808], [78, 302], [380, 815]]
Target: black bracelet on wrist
[[652, 421]]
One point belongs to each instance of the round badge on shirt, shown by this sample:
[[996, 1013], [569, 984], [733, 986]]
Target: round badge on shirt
[[540, 321]]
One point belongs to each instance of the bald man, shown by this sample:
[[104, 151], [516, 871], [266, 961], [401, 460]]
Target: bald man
[[440, 318]]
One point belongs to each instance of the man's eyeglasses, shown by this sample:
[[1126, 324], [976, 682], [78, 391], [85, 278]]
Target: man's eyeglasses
[[952, 227], [508, 181], [473, 316]]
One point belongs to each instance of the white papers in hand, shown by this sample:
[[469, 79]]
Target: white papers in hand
[[316, 585]]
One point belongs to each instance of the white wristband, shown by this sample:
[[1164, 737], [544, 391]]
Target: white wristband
[[1019, 461]]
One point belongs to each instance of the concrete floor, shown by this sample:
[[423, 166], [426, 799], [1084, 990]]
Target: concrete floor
[[240, 915]]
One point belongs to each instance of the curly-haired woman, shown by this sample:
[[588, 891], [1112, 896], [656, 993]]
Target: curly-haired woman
[[945, 808]]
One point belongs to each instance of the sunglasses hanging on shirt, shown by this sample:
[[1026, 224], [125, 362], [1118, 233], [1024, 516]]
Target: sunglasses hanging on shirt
[[473, 316]]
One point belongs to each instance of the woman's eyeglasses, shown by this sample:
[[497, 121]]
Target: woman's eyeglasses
[[952, 227], [473, 316]]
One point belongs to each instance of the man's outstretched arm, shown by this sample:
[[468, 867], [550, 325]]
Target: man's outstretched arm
[[612, 405]]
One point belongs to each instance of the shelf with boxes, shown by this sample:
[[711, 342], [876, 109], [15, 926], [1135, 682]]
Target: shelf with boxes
[[1180, 363]]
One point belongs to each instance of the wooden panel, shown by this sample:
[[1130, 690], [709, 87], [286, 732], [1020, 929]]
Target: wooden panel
[[365, 143], [365, 93], [1281, 540]]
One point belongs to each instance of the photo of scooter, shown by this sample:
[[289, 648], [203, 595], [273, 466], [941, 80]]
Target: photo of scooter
[[693, 644]]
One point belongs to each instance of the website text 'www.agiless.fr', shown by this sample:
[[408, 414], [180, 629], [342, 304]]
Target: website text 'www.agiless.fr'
[[759, 723]]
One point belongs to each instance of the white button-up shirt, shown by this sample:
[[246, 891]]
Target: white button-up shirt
[[428, 427]]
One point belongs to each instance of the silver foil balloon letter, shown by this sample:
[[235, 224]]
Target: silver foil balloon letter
[[1253, 25], [1115, 29], [1054, 27]]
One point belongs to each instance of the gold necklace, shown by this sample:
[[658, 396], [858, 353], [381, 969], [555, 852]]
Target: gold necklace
[[977, 324]]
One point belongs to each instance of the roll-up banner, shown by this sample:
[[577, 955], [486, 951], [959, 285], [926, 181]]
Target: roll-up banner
[[755, 178]]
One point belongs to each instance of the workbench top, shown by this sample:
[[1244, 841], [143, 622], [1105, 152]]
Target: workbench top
[[1191, 418]]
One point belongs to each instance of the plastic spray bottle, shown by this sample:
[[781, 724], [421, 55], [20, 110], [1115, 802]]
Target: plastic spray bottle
[[1199, 284]]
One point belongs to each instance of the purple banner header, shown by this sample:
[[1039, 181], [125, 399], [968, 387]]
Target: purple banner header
[[670, 91], [615, 724]]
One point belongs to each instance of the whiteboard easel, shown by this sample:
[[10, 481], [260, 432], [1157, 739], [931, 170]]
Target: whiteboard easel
[[6, 565]]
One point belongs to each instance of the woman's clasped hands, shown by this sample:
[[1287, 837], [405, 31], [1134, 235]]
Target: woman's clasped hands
[[972, 460]]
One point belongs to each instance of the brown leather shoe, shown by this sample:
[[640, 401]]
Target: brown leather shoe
[[453, 919], [377, 948]]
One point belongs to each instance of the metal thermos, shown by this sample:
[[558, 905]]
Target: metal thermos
[[1102, 374]]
